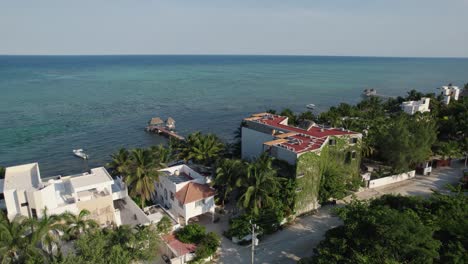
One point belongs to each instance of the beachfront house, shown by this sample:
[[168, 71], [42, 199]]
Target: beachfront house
[[185, 193], [301, 148], [25, 193], [449, 93], [411, 107]]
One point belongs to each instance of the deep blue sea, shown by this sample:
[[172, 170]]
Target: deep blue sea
[[50, 105]]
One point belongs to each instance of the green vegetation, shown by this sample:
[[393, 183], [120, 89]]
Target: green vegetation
[[164, 226], [399, 229], [228, 171], [207, 243], [205, 149], [29, 240], [139, 168], [2, 172]]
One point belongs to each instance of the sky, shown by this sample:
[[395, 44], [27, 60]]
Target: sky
[[397, 28]]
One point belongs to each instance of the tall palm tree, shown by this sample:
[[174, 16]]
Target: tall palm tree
[[144, 172], [203, 148], [47, 231], [15, 244], [260, 186], [227, 173], [161, 154], [79, 224], [119, 162]]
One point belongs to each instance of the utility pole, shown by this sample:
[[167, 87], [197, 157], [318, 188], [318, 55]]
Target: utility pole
[[253, 242]]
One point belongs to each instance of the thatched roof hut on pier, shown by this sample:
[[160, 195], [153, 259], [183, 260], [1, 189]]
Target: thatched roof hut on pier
[[170, 123], [156, 121]]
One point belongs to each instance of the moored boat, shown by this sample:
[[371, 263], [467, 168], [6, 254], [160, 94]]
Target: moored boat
[[310, 106], [80, 153]]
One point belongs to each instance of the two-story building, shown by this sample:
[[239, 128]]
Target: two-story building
[[300, 147], [411, 107], [185, 193], [24, 192]]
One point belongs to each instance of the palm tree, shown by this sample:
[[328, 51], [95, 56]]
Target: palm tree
[[119, 163], [15, 245], [202, 148], [143, 173], [78, 224], [260, 186], [46, 231], [161, 154], [227, 173], [449, 150]]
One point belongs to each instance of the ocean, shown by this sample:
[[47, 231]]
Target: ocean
[[50, 105]]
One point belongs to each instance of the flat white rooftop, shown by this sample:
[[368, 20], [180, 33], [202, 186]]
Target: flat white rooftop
[[97, 176], [24, 177]]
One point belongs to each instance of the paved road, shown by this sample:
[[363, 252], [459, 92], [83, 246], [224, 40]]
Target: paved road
[[299, 239]]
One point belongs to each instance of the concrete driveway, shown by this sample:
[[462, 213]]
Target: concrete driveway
[[299, 239]]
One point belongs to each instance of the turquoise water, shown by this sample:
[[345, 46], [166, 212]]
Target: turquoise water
[[52, 104]]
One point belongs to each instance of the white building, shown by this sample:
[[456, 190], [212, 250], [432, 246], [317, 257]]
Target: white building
[[411, 107], [185, 193], [450, 92], [270, 133], [23, 192]]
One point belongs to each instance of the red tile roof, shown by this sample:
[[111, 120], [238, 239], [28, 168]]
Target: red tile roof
[[193, 191], [178, 246], [299, 140]]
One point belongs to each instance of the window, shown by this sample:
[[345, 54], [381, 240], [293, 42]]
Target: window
[[24, 204], [353, 140], [332, 142], [172, 196], [2, 196], [199, 203], [353, 155], [34, 213], [181, 205], [299, 189], [165, 194]]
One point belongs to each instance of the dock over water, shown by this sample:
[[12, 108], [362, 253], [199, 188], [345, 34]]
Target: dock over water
[[157, 125]]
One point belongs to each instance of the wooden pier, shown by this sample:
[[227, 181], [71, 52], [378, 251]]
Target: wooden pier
[[156, 125]]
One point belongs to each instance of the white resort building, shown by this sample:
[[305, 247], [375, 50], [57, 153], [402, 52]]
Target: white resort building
[[185, 193], [23, 192], [450, 92], [411, 107]]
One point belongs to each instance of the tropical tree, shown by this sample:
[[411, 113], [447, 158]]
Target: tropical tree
[[79, 224], [258, 185], [15, 245], [143, 173], [227, 173], [449, 149], [161, 154], [202, 148], [119, 163], [47, 231]]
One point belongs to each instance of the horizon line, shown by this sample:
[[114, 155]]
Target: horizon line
[[234, 54]]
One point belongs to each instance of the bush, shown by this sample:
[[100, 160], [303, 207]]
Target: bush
[[239, 227], [208, 246], [164, 226], [192, 233]]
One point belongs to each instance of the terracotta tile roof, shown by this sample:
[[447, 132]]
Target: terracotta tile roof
[[297, 139], [178, 246], [193, 191]]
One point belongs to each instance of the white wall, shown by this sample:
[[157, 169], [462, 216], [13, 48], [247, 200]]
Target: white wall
[[391, 179], [252, 143], [286, 155], [191, 210]]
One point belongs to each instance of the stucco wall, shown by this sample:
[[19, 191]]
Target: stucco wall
[[391, 179], [252, 143]]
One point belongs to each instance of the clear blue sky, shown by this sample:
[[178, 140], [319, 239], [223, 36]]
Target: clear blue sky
[[315, 27]]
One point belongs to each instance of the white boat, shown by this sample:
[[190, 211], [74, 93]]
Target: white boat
[[80, 153], [310, 106]]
